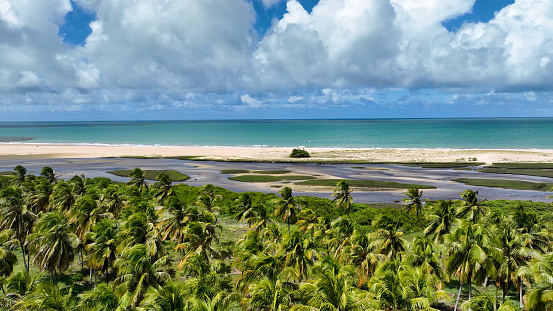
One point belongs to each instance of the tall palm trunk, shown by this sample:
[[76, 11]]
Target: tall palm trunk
[[458, 296], [25, 262], [521, 304]]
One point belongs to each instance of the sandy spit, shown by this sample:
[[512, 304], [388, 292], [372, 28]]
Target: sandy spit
[[49, 151]]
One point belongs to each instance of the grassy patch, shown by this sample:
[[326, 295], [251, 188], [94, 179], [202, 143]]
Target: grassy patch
[[276, 172], [234, 171], [152, 174], [6, 173], [363, 184], [506, 184], [269, 178], [530, 169]]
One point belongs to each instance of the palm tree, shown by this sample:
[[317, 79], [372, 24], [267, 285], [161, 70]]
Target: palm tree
[[85, 214], [174, 217], [104, 244], [171, 297], [540, 296], [487, 302], [198, 237], [362, 254], [423, 254], [40, 199], [308, 221], [7, 256], [414, 203], [342, 196], [299, 253], [19, 175], [471, 255], [471, 207], [442, 220], [208, 197], [268, 295], [47, 296], [16, 217], [138, 269], [63, 196], [138, 179], [100, 298], [112, 199], [334, 289], [52, 243], [164, 187], [389, 241], [287, 207], [48, 173]]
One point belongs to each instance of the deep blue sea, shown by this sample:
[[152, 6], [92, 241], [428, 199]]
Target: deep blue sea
[[496, 133]]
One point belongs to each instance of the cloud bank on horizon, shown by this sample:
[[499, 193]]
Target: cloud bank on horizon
[[343, 58]]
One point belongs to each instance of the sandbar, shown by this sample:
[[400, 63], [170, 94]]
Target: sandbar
[[268, 154]]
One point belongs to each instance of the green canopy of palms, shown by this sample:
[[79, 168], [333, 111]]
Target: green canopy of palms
[[540, 270], [287, 207], [164, 187], [471, 255], [15, 216], [208, 197], [389, 241], [47, 296], [49, 174], [19, 175], [101, 298], [52, 242], [442, 220], [299, 253], [423, 254], [170, 297], [198, 238], [414, 203], [342, 196], [85, 214], [102, 249], [64, 196], [7, 256], [333, 288], [472, 208], [138, 180], [269, 295], [137, 270]]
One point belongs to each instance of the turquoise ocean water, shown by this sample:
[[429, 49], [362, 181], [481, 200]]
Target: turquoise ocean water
[[501, 133]]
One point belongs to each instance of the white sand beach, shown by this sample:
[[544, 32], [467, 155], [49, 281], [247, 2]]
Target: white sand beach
[[38, 151]]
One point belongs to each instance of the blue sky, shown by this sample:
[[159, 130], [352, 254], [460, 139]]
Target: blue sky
[[241, 59]]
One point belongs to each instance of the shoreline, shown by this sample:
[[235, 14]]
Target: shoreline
[[267, 154]]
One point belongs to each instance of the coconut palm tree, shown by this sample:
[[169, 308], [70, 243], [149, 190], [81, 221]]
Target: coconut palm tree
[[103, 246], [269, 295], [19, 175], [486, 302], [64, 196], [47, 296], [198, 238], [299, 253], [308, 221], [414, 203], [442, 220], [40, 199], [48, 173], [137, 270], [138, 179], [471, 255], [164, 187], [100, 298], [424, 254], [174, 217], [389, 241], [208, 197], [333, 288], [342, 196], [16, 217], [362, 254], [112, 199], [85, 214], [52, 243], [540, 270], [171, 297], [7, 256], [472, 208], [287, 207]]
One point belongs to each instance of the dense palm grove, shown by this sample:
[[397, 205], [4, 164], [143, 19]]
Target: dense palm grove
[[91, 244]]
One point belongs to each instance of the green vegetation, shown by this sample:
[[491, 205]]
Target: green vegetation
[[299, 153], [152, 174], [531, 169], [92, 245], [363, 184], [506, 184], [269, 178]]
